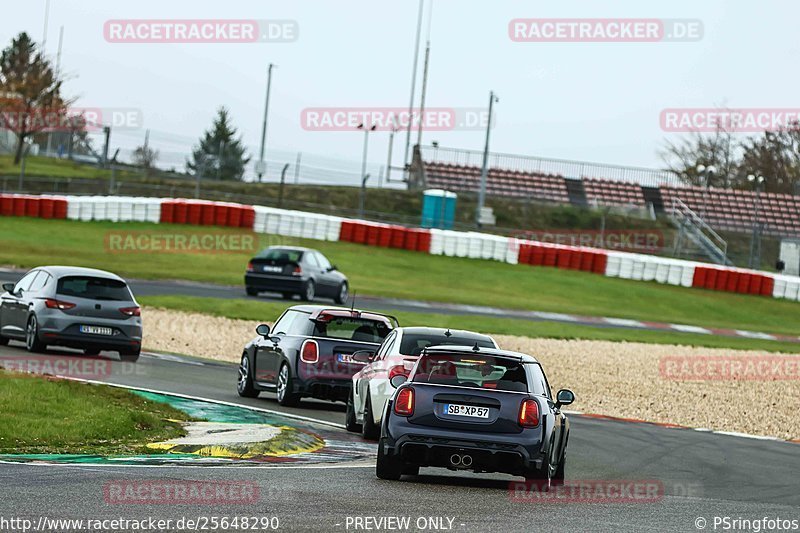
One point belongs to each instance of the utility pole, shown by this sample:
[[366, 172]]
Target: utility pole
[[425, 78], [485, 168], [413, 85], [107, 134], [364, 174], [391, 147], [261, 166], [755, 241]]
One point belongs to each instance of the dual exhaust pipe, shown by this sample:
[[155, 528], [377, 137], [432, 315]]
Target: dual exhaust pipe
[[464, 461]]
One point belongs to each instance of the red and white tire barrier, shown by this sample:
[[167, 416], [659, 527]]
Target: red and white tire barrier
[[300, 224]]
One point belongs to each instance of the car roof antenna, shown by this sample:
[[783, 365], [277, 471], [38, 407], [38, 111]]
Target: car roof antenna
[[447, 333], [353, 303], [476, 348]]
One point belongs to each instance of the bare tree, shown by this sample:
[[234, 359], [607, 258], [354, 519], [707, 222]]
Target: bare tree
[[32, 92], [718, 149], [776, 156], [145, 157]]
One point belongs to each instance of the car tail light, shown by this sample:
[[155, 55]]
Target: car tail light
[[297, 271], [309, 352], [130, 311], [529, 414], [404, 403], [58, 304], [398, 370], [250, 267]]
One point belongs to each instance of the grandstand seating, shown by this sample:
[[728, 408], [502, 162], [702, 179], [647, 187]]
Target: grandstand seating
[[608, 192], [726, 209], [500, 182], [735, 210]]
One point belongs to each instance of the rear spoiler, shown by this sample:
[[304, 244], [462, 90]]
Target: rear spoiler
[[324, 315]]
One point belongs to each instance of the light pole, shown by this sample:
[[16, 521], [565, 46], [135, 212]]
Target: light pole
[[707, 172], [261, 166], [755, 241], [366, 129], [392, 132], [485, 169], [413, 86]]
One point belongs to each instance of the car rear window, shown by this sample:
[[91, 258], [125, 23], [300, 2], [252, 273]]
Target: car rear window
[[352, 329], [94, 288], [281, 256], [413, 344], [472, 370]]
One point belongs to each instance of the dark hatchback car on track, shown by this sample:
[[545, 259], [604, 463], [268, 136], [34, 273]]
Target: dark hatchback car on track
[[83, 308], [291, 271], [308, 352], [484, 410]]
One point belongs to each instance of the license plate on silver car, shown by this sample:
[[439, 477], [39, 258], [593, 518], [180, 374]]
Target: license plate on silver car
[[273, 269], [96, 330], [466, 410]]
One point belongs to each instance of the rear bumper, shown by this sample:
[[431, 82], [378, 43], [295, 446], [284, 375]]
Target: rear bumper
[[335, 390], [422, 446], [264, 282], [126, 337]]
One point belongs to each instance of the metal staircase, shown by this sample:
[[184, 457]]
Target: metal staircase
[[693, 229]]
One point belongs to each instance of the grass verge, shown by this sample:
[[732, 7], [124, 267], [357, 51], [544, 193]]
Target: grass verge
[[269, 311], [41, 415], [400, 274]]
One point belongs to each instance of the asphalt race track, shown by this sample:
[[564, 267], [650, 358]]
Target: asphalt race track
[[702, 474], [210, 290]]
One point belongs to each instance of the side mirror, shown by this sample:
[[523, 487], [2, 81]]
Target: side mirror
[[564, 397], [333, 267], [363, 356], [8, 287], [398, 380], [263, 330]]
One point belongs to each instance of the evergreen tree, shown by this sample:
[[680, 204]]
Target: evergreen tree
[[220, 155]]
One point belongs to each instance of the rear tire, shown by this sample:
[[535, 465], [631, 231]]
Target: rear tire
[[309, 291], [343, 294], [3, 340], [369, 430], [287, 295], [32, 342], [244, 385], [251, 291], [411, 470], [388, 467], [286, 397], [350, 423], [91, 351]]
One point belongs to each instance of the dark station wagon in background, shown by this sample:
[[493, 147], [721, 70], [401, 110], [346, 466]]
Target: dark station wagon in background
[[478, 409], [291, 270], [309, 353]]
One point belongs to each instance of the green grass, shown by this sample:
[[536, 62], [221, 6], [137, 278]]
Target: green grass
[[56, 168], [40, 415], [267, 311], [401, 274]]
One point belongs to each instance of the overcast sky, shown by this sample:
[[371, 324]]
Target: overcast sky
[[589, 101]]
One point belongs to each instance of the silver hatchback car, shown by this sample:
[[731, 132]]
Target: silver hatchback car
[[83, 308]]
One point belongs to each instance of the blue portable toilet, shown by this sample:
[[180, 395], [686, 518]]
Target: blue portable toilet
[[438, 209]]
